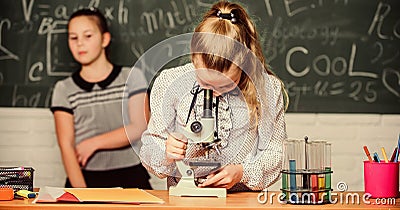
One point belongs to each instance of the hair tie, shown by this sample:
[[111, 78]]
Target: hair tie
[[93, 9], [227, 16]]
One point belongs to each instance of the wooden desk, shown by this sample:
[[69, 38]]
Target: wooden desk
[[244, 200]]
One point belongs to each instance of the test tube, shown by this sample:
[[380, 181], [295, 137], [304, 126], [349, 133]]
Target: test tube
[[292, 164], [328, 169], [320, 166], [299, 151], [291, 157], [311, 162], [320, 148], [306, 176], [285, 167], [327, 160], [300, 154], [292, 170]]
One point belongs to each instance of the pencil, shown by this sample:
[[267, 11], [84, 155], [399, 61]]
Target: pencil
[[376, 157], [393, 155], [396, 158], [384, 155], [367, 153]]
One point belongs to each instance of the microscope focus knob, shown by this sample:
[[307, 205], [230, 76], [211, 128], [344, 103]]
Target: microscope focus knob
[[196, 127], [189, 172]]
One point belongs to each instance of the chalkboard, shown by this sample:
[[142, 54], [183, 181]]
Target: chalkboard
[[334, 56]]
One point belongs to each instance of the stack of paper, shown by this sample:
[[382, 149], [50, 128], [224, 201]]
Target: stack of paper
[[102, 195]]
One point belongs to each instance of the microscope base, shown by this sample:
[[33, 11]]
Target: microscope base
[[197, 191]]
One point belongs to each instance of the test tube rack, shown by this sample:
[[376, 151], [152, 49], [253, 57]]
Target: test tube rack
[[306, 175]]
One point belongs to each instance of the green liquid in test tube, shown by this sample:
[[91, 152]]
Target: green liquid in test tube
[[284, 184], [328, 169]]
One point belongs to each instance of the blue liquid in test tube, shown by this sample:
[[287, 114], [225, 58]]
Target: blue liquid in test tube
[[292, 169]]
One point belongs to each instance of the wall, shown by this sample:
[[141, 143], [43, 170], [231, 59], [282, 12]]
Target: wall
[[27, 138]]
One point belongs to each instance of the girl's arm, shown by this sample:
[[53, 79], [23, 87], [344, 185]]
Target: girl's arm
[[64, 123]]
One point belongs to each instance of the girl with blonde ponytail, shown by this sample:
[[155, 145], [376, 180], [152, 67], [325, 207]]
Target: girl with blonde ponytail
[[249, 106]]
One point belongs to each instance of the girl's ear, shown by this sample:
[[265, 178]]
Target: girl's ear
[[106, 39], [196, 60]]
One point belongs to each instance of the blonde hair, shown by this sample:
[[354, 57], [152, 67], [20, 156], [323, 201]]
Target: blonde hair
[[219, 52]]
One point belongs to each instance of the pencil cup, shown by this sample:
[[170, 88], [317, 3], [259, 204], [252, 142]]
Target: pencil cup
[[381, 180]]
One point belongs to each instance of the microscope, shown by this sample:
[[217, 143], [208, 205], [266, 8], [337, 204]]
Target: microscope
[[202, 132]]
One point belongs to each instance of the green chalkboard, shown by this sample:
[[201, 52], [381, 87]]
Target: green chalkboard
[[334, 56]]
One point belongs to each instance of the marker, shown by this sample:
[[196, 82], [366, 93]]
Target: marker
[[397, 153], [376, 157], [26, 193], [367, 153], [384, 155], [393, 155]]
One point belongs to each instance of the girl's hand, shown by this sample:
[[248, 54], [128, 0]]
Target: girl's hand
[[176, 146], [225, 177], [84, 150]]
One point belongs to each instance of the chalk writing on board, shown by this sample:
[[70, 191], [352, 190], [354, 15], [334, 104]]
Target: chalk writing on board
[[3, 49], [27, 9], [20, 98], [51, 28], [322, 66], [333, 56], [379, 20]]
